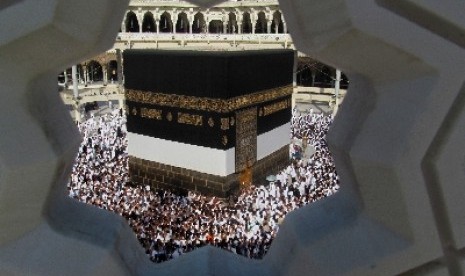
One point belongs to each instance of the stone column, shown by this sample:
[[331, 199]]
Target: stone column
[[268, 26], [79, 80], [66, 79], [87, 74], [294, 69], [84, 67], [77, 113], [253, 20], [336, 91], [123, 26], [121, 103], [119, 66], [284, 27], [239, 27], [105, 74], [75, 81], [191, 22], [174, 20], [156, 18], [225, 27], [140, 20]]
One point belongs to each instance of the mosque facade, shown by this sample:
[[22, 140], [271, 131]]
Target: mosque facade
[[179, 25], [174, 24]]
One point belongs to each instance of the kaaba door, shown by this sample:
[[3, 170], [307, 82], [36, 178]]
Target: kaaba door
[[246, 138]]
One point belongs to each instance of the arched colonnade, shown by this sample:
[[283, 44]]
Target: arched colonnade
[[104, 68], [204, 21]]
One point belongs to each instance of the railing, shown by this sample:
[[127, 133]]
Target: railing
[[318, 90], [145, 2], [304, 94], [276, 38], [103, 93]]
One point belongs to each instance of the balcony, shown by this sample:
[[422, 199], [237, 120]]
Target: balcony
[[161, 40], [230, 3]]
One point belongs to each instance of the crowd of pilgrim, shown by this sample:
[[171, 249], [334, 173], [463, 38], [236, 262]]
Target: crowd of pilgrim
[[169, 225]]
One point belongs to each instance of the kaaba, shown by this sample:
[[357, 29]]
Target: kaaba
[[197, 119]]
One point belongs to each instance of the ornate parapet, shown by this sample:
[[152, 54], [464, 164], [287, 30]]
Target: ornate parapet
[[149, 24], [177, 3], [183, 37], [213, 41]]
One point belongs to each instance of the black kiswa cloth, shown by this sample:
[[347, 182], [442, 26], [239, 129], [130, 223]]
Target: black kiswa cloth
[[205, 135], [205, 75], [211, 74]]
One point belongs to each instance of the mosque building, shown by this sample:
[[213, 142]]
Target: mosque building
[[180, 25]]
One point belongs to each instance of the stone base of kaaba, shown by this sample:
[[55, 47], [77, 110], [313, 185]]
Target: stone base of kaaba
[[180, 180]]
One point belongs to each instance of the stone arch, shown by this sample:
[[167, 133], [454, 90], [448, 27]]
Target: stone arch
[[232, 23], [324, 76], [182, 24], [277, 25], [305, 76], [199, 24], [69, 75], [61, 77], [132, 23], [260, 25], [215, 27], [148, 24], [246, 23], [95, 71], [166, 25], [113, 70]]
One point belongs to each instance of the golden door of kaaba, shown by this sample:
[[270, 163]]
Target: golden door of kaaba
[[246, 138]]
